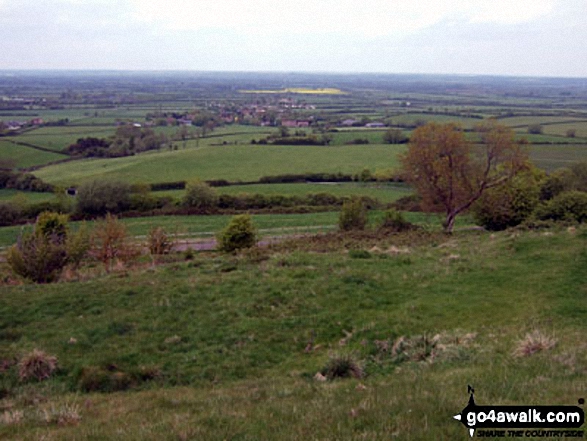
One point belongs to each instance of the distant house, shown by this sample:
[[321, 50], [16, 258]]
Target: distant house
[[37, 121], [295, 123], [184, 122], [348, 122], [15, 125], [375, 125]]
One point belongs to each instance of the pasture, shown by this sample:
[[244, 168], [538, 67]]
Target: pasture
[[23, 156], [234, 163], [383, 192]]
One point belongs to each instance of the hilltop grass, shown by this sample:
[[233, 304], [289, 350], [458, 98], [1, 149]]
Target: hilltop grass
[[236, 331], [246, 163]]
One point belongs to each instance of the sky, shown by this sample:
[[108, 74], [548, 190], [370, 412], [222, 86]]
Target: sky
[[471, 37]]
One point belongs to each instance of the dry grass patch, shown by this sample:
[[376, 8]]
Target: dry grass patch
[[534, 342], [36, 365]]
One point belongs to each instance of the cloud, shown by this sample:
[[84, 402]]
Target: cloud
[[368, 18]]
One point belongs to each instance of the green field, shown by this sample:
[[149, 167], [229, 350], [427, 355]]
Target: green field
[[521, 121], [561, 129], [225, 162], [28, 196], [550, 157], [59, 138], [23, 156], [384, 192], [227, 347]]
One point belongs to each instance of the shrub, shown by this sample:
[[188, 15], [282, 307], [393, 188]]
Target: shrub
[[36, 365], [52, 226], [535, 129], [239, 233], [159, 241], [567, 206], [77, 245], [509, 205], [9, 213], [353, 216], [36, 258], [395, 136], [559, 181], [200, 195], [110, 242], [395, 221], [99, 197]]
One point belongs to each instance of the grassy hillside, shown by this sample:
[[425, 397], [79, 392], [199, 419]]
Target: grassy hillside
[[228, 347]]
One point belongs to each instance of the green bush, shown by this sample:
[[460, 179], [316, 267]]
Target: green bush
[[37, 258], [353, 215], [509, 205], [395, 221], [559, 181], [200, 195], [9, 213], [52, 226], [568, 206], [96, 198], [239, 233], [77, 245]]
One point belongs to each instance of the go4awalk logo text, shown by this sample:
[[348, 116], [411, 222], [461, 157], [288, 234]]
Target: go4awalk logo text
[[522, 421]]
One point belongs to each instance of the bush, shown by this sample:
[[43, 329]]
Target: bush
[[159, 241], [395, 136], [200, 195], [509, 205], [559, 181], [77, 245], [36, 258], [36, 365], [239, 233], [9, 213], [52, 226], [535, 129], [395, 221], [42, 255], [567, 206], [353, 216], [96, 198], [110, 242]]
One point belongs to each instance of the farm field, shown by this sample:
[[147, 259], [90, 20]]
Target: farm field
[[28, 196], [383, 192], [229, 346], [23, 156], [551, 157], [59, 138], [245, 163]]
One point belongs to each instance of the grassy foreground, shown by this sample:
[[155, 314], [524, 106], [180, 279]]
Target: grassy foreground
[[233, 342]]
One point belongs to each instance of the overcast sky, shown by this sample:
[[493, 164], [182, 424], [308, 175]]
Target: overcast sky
[[496, 37]]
